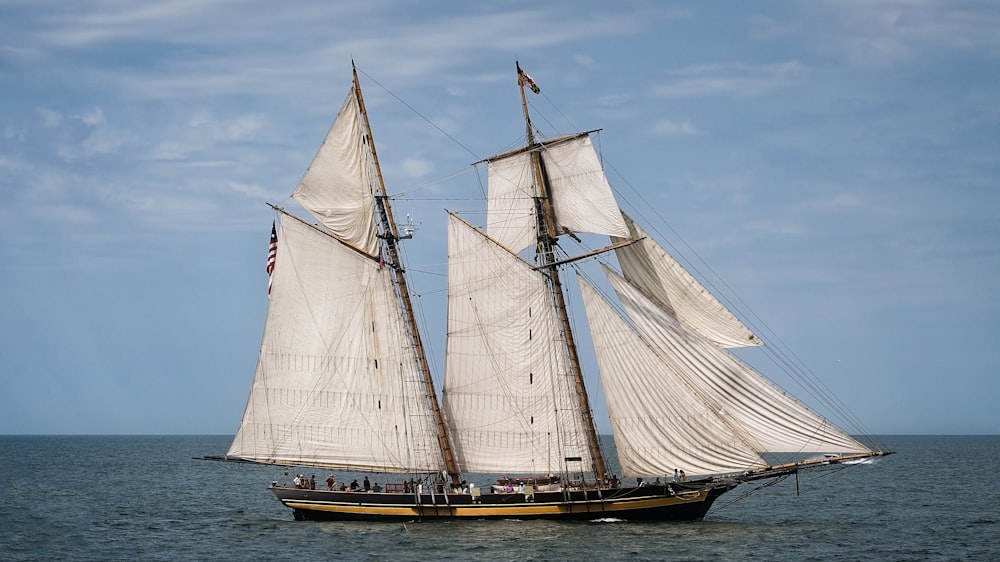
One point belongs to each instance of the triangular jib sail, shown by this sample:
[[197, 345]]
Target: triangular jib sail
[[649, 267], [657, 424], [677, 400]]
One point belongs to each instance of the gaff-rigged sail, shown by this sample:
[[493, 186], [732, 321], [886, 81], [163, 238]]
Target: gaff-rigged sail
[[336, 382], [508, 389]]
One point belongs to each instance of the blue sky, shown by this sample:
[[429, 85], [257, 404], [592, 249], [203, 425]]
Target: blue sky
[[835, 163]]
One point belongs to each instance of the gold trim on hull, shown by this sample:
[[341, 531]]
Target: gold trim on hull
[[684, 505]]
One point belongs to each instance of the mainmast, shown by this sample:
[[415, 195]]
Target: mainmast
[[545, 244], [391, 237]]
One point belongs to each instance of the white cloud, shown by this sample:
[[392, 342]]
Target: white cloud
[[767, 28], [837, 202], [668, 127], [881, 32], [103, 141], [96, 138], [415, 167], [85, 25], [731, 79], [205, 124], [204, 132], [65, 213], [616, 100], [49, 117], [773, 228], [13, 162], [169, 150], [243, 126], [11, 132], [94, 117], [585, 61], [250, 191]]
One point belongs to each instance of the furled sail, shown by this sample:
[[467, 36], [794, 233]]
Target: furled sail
[[337, 187], [580, 194], [648, 266], [507, 389], [759, 412], [337, 383]]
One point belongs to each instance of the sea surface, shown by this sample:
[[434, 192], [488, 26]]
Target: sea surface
[[146, 498]]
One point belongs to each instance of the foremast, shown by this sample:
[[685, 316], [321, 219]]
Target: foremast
[[391, 238], [547, 239]]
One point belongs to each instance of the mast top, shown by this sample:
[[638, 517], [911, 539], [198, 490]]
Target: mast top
[[524, 80]]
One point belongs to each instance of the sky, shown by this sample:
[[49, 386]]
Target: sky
[[834, 166]]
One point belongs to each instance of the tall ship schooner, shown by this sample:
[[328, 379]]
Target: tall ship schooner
[[343, 383]]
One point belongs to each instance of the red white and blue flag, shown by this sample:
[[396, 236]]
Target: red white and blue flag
[[272, 254]]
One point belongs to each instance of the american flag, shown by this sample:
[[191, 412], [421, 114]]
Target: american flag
[[272, 253]]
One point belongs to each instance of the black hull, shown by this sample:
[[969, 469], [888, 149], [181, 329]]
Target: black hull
[[646, 503]]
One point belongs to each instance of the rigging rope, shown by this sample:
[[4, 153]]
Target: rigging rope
[[742, 497], [421, 115], [779, 353]]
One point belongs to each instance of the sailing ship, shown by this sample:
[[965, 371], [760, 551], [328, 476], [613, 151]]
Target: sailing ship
[[343, 381]]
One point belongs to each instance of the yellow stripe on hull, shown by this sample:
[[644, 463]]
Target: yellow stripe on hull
[[479, 510]]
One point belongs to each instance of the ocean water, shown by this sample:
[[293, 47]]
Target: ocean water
[[146, 498]]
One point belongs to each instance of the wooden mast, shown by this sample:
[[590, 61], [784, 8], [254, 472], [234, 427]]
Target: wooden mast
[[391, 237], [546, 241]]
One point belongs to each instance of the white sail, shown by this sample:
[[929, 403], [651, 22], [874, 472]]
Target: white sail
[[337, 382], [337, 187], [511, 211], [756, 409], [658, 422], [507, 390], [648, 266], [581, 197]]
